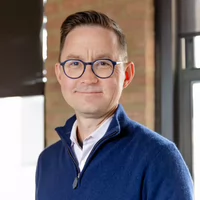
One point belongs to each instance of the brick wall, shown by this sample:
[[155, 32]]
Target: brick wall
[[136, 18]]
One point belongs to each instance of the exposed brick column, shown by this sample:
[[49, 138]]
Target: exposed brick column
[[136, 18]]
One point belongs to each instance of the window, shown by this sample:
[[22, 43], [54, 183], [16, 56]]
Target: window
[[22, 140], [178, 78]]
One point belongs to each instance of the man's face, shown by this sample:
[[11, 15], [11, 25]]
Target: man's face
[[89, 95]]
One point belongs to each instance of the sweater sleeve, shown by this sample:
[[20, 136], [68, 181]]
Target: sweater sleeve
[[168, 177], [37, 177]]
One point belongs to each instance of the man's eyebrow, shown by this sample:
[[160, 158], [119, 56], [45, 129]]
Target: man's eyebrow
[[96, 57], [103, 56], [73, 56]]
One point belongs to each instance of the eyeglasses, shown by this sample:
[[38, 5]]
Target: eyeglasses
[[103, 68]]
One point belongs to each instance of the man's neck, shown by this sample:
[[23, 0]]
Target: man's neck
[[86, 126]]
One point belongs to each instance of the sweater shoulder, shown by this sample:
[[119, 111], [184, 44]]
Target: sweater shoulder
[[147, 143], [51, 151], [146, 135]]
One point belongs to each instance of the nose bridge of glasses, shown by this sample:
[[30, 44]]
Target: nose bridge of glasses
[[88, 64], [88, 69]]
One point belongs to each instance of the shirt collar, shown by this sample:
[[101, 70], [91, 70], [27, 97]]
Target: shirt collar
[[95, 136]]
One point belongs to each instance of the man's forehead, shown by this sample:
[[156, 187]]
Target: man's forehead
[[91, 56], [91, 34], [97, 55], [91, 43]]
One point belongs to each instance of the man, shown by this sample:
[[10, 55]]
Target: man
[[102, 154]]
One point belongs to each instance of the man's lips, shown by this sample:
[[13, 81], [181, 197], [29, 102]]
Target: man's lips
[[86, 92]]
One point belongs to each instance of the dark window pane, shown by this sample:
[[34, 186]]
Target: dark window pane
[[197, 51], [21, 62]]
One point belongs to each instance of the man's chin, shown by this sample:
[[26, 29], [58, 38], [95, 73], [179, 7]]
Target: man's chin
[[90, 111]]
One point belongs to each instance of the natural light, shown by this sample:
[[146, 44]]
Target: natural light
[[22, 139]]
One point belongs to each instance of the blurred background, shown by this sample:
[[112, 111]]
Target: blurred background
[[164, 43]]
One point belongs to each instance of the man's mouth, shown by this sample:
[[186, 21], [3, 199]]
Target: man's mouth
[[88, 90]]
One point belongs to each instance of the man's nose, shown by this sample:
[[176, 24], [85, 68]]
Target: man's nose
[[88, 76]]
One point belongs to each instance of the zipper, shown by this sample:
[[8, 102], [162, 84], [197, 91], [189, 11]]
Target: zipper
[[77, 178], [75, 182]]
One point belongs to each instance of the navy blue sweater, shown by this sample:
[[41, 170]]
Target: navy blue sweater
[[130, 162]]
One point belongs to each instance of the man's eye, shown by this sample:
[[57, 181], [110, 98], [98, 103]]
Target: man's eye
[[75, 63], [103, 63]]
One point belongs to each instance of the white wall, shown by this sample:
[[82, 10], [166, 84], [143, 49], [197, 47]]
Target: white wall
[[21, 141]]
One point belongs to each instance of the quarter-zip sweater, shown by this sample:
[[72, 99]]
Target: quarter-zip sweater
[[130, 162], [83, 152]]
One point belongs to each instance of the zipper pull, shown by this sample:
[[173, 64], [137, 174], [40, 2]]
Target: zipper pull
[[75, 183]]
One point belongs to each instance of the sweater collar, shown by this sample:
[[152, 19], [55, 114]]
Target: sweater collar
[[120, 120]]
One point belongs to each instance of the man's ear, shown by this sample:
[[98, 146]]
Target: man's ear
[[58, 72], [129, 74]]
